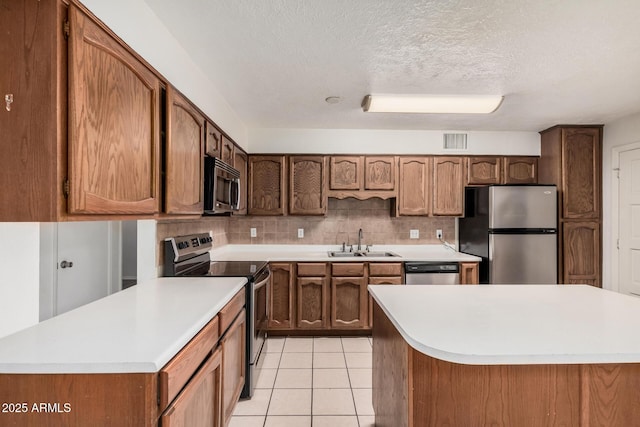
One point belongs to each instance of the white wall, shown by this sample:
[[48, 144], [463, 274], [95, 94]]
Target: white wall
[[371, 141], [135, 23], [19, 275], [147, 267], [616, 134]]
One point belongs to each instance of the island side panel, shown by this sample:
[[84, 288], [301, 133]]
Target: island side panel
[[79, 400], [447, 393], [610, 395], [391, 401]]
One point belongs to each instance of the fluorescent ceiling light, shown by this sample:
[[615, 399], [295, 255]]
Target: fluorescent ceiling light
[[434, 104]]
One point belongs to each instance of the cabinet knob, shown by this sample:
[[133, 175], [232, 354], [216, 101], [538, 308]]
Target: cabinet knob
[[8, 98], [66, 264]]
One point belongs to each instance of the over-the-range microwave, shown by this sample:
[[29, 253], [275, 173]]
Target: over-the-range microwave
[[221, 187]]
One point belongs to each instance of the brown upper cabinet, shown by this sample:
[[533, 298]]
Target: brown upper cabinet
[[241, 163], [184, 156], [227, 151], [362, 177], [346, 173], [448, 187], [307, 185], [379, 173], [520, 170], [267, 192], [95, 145], [486, 170], [214, 141], [114, 107], [414, 192]]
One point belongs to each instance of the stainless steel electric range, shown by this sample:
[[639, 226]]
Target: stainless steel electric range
[[189, 256]]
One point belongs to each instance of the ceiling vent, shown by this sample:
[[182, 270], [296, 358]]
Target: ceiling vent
[[455, 141]]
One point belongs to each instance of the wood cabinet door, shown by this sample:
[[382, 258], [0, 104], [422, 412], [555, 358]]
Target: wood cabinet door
[[349, 302], [520, 170], [380, 173], [312, 303], [581, 157], [199, 403], [581, 252], [414, 194], [307, 187], [483, 170], [346, 173], [213, 140], [184, 157], [227, 151], [448, 189], [281, 296], [267, 193], [241, 163], [233, 365], [469, 273], [114, 125]]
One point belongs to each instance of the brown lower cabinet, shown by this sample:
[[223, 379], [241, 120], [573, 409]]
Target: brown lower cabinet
[[312, 296], [198, 405], [281, 300], [233, 365]]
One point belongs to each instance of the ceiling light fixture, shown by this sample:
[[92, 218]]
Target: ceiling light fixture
[[432, 104]]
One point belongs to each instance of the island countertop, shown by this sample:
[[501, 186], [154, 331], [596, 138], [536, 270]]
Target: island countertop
[[515, 324], [136, 330]]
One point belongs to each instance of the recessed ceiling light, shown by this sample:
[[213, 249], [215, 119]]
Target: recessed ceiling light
[[434, 104], [333, 99]]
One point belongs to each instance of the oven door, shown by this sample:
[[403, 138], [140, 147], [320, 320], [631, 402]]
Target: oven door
[[259, 313]]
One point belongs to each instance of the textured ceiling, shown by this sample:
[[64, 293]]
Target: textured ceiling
[[275, 61]]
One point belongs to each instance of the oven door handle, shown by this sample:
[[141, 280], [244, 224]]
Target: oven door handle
[[262, 282]]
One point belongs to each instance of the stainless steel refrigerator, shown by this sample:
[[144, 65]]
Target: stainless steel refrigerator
[[513, 228]]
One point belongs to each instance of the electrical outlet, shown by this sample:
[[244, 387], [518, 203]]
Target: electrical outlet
[[439, 234], [300, 233], [254, 232], [414, 234]]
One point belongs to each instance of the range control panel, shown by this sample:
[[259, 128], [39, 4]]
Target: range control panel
[[189, 245]]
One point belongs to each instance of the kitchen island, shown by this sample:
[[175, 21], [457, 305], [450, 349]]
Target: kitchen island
[[501, 355], [124, 359]]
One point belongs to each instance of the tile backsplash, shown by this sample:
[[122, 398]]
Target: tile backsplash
[[341, 224]]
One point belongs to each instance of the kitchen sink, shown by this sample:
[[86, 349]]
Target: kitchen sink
[[339, 254]]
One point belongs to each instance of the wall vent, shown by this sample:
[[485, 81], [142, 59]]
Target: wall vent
[[455, 141]]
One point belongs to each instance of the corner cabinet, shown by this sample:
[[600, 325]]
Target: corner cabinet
[[307, 185], [571, 159], [114, 124], [267, 191], [184, 156]]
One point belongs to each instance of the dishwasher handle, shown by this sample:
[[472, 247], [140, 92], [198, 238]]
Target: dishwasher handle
[[431, 267]]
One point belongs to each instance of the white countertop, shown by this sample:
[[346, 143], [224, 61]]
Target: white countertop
[[515, 324], [319, 253], [136, 330]]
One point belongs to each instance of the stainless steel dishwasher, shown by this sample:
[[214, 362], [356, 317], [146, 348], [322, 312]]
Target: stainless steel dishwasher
[[432, 273]]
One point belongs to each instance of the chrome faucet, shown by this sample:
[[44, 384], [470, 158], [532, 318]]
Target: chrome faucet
[[360, 240]]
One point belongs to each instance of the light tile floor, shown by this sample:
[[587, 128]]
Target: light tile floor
[[311, 382]]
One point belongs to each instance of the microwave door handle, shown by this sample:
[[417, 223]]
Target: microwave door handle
[[238, 194]]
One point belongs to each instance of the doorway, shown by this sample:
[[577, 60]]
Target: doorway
[[628, 215]]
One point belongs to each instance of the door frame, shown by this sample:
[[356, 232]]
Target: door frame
[[614, 285]]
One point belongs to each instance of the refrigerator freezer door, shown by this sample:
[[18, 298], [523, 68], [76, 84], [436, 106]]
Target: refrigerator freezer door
[[522, 206], [522, 259]]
